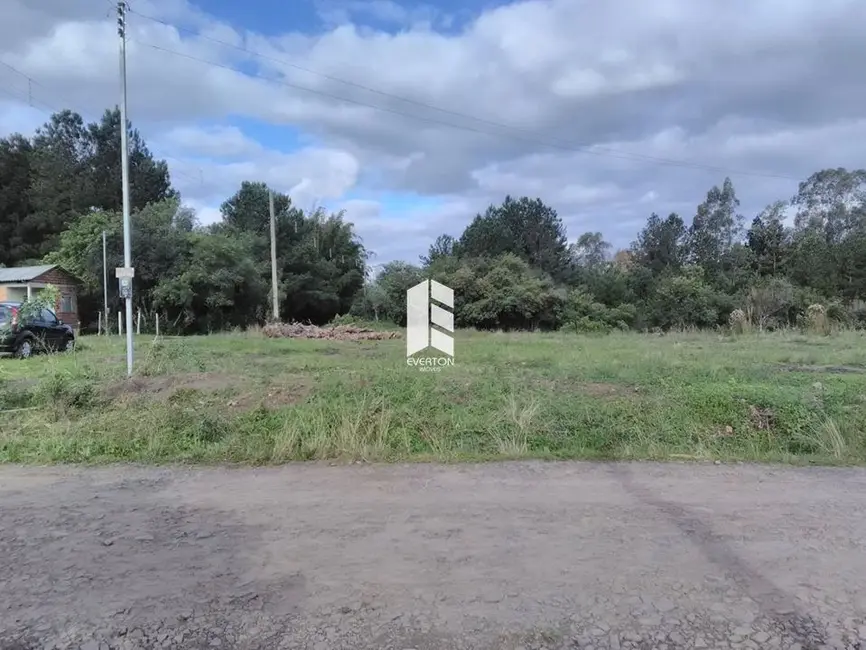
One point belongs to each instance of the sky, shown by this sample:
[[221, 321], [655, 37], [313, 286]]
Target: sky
[[412, 117]]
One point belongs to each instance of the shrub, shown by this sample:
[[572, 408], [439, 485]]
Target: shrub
[[582, 313], [739, 322], [64, 392], [816, 320]]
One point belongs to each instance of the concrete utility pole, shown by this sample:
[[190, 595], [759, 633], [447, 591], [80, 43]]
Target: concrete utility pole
[[105, 280], [124, 162], [274, 287]]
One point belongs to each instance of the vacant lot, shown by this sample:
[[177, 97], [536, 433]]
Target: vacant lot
[[245, 398]]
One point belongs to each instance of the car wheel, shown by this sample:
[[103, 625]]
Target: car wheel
[[24, 349], [70, 345]]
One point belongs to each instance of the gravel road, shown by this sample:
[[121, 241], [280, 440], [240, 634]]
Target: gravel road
[[490, 557]]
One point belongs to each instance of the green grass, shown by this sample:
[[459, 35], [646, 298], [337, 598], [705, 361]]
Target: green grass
[[243, 398]]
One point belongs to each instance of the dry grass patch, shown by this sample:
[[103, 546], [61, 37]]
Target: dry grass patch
[[164, 387], [275, 397]]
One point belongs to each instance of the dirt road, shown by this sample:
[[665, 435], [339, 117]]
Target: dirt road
[[506, 556]]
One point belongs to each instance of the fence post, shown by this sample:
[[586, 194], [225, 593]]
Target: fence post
[[157, 323], [138, 323], [120, 323], [99, 325]]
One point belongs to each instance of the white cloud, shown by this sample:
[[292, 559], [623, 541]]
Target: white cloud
[[766, 87]]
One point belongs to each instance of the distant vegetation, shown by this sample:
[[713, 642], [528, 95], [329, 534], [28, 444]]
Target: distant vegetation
[[511, 268]]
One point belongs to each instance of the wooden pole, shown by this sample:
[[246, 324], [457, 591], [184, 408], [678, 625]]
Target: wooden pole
[[99, 325], [120, 323], [157, 324], [138, 323]]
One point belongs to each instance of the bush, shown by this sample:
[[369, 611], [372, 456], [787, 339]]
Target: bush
[[65, 393], [582, 313], [685, 300], [816, 320], [739, 322], [769, 303]]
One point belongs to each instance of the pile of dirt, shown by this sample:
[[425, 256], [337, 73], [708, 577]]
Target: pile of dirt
[[335, 332], [165, 386]]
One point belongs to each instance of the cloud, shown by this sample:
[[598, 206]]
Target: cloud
[[585, 105], [212, 162]]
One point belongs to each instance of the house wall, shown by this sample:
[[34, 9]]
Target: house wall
[[16, 294], [67, 303]]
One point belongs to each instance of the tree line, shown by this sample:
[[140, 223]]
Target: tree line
[[60, 189], [512, 267]]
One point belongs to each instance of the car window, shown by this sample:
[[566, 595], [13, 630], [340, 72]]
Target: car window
[[48, 317], [5, 314]]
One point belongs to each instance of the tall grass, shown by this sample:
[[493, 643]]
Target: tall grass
[[243, 398]]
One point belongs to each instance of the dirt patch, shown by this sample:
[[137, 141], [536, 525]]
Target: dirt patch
[[170, 387], [605, 389], [165, 386], [337, 332], [833, 370], [273, 398]]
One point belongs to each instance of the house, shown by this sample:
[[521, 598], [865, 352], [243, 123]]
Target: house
[[19, 283]]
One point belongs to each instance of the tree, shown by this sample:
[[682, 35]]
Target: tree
[[371, 303], [60, 181], [768, 239], [321, 265], [509, 294], [661, 245], [523, 227], [812, 262], [590, 251], [149, 180], [17, 241], [683, 300], [395, 280], [159, 247], [829, 201], [69, 169], [217, 287], [444, 246], [715, 229], [248, 209]]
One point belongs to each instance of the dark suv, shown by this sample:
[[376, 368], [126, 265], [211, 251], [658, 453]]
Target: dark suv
[[42, 333]]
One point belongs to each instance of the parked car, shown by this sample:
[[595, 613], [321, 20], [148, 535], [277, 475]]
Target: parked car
[[41, 333]]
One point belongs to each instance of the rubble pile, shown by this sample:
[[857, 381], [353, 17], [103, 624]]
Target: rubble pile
[[336, 332]]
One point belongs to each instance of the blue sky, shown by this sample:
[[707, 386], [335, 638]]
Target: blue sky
[[276, 17]]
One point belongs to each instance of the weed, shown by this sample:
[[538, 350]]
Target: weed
[[245, 398], [162, 357], [65, 392]]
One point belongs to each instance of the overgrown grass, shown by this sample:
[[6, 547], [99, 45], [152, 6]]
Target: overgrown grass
[[245, 398]]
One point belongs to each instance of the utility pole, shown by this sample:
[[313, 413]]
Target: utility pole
[[276, 298], [105, 280], [124, 162]]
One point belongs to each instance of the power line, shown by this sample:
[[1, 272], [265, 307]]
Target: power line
[[564, 145], [47, 108]]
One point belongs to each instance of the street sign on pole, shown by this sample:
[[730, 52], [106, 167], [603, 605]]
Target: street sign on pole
[[122, 272]]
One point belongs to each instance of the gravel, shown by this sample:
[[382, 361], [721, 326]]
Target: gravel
[[511, 556]]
